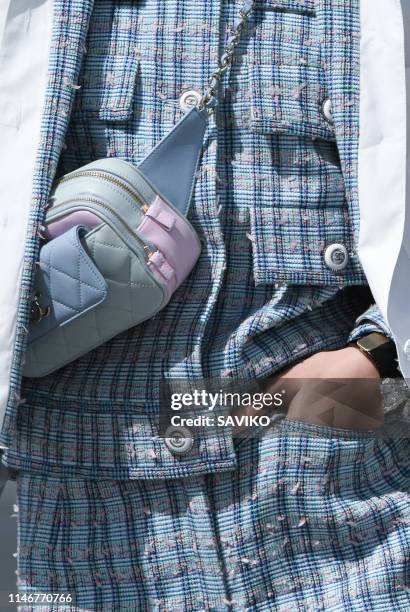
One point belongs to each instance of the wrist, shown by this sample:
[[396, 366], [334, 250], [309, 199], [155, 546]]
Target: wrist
[[365, 364]]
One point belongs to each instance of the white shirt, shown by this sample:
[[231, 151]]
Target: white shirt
[[25, 36], [384, 239]]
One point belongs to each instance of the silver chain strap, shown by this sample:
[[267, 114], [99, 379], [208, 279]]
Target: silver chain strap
[[210, 96]]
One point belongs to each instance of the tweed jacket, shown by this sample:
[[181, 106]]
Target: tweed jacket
[[92, 93]]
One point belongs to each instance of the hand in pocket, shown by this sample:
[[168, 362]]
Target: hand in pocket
[[333, 388]]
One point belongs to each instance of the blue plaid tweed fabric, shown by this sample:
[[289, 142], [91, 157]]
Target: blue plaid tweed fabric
[[270, 196], [311, 519]]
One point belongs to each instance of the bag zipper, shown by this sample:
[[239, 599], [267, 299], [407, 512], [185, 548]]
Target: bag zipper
[[106, 176], [149, 249]]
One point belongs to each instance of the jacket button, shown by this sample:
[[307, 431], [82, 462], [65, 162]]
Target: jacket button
[[327, 110], [189, 99], [336, 257], [178, 440]]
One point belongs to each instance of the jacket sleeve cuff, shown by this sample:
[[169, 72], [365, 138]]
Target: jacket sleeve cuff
[[370, 321]]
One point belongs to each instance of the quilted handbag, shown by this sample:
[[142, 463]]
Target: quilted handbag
[[115, 249], [117, 241]]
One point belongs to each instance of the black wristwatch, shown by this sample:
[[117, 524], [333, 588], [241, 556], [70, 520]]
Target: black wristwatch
[[382, 351]]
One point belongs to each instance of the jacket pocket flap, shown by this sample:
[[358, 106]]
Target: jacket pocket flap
[[67, 283], [108, 86], [291, 243], [289, 98]]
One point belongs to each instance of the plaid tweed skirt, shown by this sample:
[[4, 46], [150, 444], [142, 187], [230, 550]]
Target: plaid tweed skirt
[[311, 519]]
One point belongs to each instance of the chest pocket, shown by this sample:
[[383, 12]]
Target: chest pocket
[[301, 215]]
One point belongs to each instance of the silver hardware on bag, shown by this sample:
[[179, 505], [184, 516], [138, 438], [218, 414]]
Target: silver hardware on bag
[[208, 100], [38, 312]]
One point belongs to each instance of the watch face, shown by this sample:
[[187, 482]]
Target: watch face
[[373, 341]]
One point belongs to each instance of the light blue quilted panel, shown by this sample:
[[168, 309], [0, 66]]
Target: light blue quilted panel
[[67, 281]]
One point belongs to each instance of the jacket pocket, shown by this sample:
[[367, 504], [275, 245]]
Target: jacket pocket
[[287, 90], [108, 86], [300, 227]]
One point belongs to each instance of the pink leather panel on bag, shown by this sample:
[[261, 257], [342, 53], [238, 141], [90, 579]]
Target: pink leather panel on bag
[[80, 217], [177, 243]]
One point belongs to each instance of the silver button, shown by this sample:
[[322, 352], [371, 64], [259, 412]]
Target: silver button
[[178, 440], [336, 257], [327, 110], [189, 99]]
